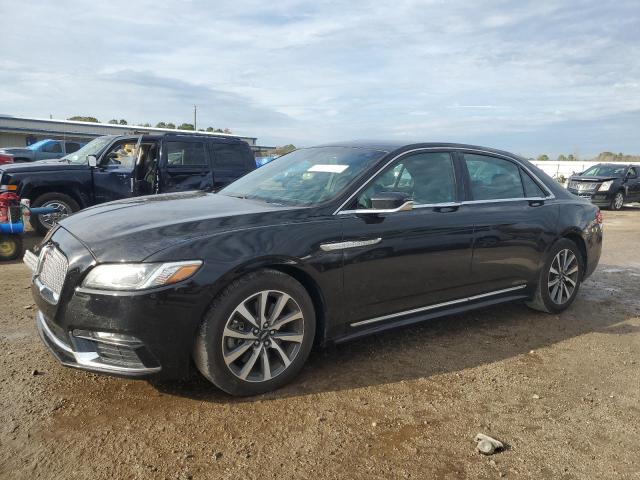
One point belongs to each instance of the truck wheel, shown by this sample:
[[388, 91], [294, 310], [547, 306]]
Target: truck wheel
[[618, 201], [10, 247], [61, 202]]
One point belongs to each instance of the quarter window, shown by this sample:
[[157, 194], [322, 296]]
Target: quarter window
[[493, 178], [531, 188], [426, 178], [186, 154]]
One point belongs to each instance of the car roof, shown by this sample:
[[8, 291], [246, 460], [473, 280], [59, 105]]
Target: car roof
[[392, 146], [158, 136]]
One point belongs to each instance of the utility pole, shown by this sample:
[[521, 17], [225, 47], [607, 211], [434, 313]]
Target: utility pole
[[195, 117]]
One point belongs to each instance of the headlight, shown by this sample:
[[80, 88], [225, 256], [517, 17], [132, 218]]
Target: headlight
[[605, 186], [138, 276]]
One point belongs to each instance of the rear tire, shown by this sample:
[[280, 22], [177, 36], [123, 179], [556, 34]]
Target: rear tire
[[618, 201], [257, 334], [560, 278], [43, 223]]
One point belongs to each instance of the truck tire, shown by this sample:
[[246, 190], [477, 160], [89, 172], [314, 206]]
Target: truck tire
[[64, 203]]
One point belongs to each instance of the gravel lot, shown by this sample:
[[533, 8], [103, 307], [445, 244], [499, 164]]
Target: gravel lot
[[562, 392]]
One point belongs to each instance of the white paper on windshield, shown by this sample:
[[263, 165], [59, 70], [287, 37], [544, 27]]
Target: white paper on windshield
[[328, 168]]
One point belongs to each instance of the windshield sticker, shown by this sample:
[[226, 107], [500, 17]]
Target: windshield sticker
[[328, 168]]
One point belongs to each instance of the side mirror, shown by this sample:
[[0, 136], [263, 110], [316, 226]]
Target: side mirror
[[93, 161]]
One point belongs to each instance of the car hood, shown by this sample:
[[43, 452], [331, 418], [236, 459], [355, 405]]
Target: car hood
[[41, 166], [133, 229], [592, 179]]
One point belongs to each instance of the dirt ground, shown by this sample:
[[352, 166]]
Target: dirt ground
[[562, 392]]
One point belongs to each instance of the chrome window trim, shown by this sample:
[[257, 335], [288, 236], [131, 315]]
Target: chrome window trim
[[436, 305], [451, 150]]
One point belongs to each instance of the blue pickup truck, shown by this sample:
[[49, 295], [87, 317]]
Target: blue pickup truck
[[42, 150]]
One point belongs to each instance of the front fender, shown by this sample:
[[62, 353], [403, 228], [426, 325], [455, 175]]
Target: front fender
[[229, 255]]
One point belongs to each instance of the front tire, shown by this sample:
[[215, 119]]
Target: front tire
[[63, 203], [618, 201], [257, 334], [560, 278]]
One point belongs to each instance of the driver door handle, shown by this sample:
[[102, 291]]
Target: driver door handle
[[447, 207]]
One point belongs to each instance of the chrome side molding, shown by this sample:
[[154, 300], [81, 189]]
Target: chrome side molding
[[331, 247], [437, 305]]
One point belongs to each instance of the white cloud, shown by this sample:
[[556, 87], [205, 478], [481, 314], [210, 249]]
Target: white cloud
[[302, 72]]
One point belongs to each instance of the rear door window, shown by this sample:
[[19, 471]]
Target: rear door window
[[229, 163], [493, 178], [186, 155]]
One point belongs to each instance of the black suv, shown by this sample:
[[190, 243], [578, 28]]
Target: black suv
[[607, 185], [114, 167]]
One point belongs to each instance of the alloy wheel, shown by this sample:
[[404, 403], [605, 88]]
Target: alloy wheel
[[50, 219], [263, 336], [618, 201], [563, 276]]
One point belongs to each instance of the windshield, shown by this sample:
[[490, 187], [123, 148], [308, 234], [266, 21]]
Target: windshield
[[605, 171], [37, 145], [94, 147], [305, 177]]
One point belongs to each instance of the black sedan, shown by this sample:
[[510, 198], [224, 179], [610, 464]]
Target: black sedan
[[607, 185], [325, 244]]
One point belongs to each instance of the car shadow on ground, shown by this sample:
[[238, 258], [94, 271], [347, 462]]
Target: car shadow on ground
[[446, 345]]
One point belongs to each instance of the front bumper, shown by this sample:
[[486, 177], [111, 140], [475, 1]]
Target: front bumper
[[600, 199], [132, 334], [112, 356]]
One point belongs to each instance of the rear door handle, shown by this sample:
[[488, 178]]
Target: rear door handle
[[536, 203]]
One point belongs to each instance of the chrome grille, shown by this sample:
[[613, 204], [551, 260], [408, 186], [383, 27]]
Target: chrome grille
[[582, 186], [53, 269]]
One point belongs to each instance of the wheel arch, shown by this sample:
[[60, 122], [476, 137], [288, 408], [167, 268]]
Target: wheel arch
[[295, 269], [576, 238], [36, 192]]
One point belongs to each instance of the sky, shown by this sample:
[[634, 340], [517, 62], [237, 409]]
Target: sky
[[529, 77]]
